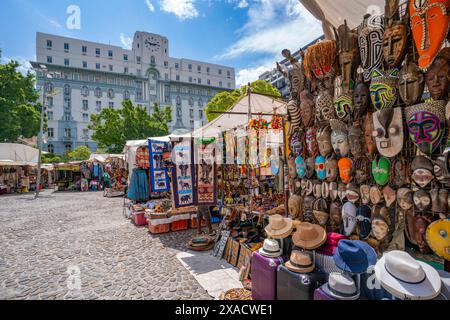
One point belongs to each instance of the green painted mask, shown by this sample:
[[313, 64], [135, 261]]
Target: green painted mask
[[381, 167]]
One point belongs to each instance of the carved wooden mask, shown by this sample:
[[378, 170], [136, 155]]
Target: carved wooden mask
[[370, 40], [411, 83], [388, 133]]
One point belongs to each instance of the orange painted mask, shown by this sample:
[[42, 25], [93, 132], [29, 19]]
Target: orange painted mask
[[345, 168]]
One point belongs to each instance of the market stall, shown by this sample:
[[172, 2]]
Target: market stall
[[68, 176]]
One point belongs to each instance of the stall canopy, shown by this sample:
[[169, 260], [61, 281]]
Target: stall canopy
[[18, 154], [103, 157], [332, 13]]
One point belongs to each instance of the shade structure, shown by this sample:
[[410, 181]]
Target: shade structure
[[18, 153]]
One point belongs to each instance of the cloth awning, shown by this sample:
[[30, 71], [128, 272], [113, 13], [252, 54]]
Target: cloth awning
[[334, 12], [18, 153]]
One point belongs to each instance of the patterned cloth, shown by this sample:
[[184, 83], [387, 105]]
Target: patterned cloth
[[143, 158], [138, 189]]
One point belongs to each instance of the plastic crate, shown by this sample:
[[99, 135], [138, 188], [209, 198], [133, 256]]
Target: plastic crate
[[194, 223], [179, 225], [139, 219], [159, 228]]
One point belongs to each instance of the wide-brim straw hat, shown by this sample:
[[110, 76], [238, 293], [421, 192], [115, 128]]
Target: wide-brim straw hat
[[279, 227], [300, 262], [309, 236]]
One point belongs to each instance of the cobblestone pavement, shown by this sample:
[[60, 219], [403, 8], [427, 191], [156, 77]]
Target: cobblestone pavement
[[47, 243]]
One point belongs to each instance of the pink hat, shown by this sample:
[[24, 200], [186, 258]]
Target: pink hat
[[331, 244]]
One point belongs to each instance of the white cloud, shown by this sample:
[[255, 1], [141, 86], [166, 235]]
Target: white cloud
[[54, 23], [183, 9], [251, 74], [127, 42], [24, 64], [150, 6], [242, 4]]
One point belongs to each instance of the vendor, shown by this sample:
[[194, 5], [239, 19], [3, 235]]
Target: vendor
[[205, 213]]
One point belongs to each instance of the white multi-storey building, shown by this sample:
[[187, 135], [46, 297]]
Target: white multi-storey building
[[88, 76]]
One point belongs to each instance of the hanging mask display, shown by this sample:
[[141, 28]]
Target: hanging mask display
[[383, 88], [380, 228], [405, 198], [356, 141], [362, 170], [295, 206], [294, 116], [361, 99], [422, 200], [317, 189], [389, 196], [394, 44], [321, 172], [333, 191], [300, 166], [331, 166], [335, 216], [438, 76], [422, 171], [388, 131], [363, 215], [426, 124], [292, 167], [308, 209], [365, 193], [370, 40], [381, 168], [411, 83], [352, 193], [349, 218], [320, 62], [325, 110], [324, 141], [345, 169], [375, 195], [349, 58], [339, 138], [342, 191], [296, 144], [311, 142], [307, 108], [429, 24], [344, 107], [400, 172], [369, 140], [320, 212]]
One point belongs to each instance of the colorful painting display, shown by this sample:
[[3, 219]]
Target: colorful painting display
[[183, 173], [206, 171], [159, 177]]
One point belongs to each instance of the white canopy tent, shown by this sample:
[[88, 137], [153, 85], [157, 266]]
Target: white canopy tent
[[18, 154]]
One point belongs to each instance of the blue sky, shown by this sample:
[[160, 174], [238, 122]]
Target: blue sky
[[245, 34]]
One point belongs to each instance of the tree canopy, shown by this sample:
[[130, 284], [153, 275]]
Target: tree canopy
[[78, 154], [113, 127], [223, 101], [19, 113]]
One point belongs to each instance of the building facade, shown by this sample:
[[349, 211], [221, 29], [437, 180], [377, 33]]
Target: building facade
[[86, 77]]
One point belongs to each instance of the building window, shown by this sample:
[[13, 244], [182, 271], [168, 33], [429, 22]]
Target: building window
[[110, 53], [50, 148], [199, 81], [125, 70], [85, 91], [97, 52], [152, 60], [126, 95], [200, 102], [199, 69], [85, 117], [228, 73], [49, 44], [50, 133], [49, 115], [166, 76], [49, 87], [86, 134], [97, 66], [49, 102], [68, 147], [220, 83], [166, 64], [190, 67], [110, 67], [67, 132], [111, 93], [111, 105], [138, 60], [177, 66], [229, 85], [191, 113], [98, 106], [66, 46], [66, 62], [220, 71], [192, 124], [66, 89], [125, 57], [200, 114], [138, 72], [191, 101], [207, 70], [85, 64], [49, 59], [190, 79], [208, 82], [178, 77], [98, 92], [84, 49], [67, 116]]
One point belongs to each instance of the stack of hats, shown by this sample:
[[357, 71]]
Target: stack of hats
[[201, 243], [279, 227]]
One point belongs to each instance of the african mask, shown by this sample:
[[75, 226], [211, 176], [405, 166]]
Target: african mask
[[345, 169], [429, 24], [325, 110], [324, 141], [422, 171], [331, 166], [441, 168], [349, 218], [405, 198], [439, 198], [295, 117], [339, 138], [422, 200], [381, 167], [352, 192], [325, 190], [333, 191], [292, 168], [370, 40], [310, 167], [320, 61], [307, 208], [438, 76], [307, 108], [389, 195], [311, 142], [383, 88], [320, 212], [380, 228], [342, 191], [363, 215], [295, 76], [355, 139], [400, 172], [411, 83], [349, 58], [426, 124], [317, 189], [388, 133], [365, 193], [300, 166], [321, 172], [294, 206], [420, 225], [375, 195], [394, 44], [335, 216], [296, 144], [361, 99], [344, 107], [369, 140], [361, 170]]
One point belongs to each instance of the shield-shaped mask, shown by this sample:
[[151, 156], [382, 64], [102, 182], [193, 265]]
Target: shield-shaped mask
[[325, 110], [388, 133], [411, 83], [380, 228], [307, 209], [307, 108], [344, 107], [363, 215], [324, 141], [361, 170], [405, 198], [349, 218], [349, 58], [429, 24], [394, 44], [310, 167], [365, 193], [336, 216], [400, 172], [292, 168], [442, 168], [422, 200], [339, 138], [352, 192], [333, 191], [370, 40], [369, 140], [375, 195], [438, 76], [296, 144], [342, 191], [381, 167], [361, 99], [383, 88], [331, 166], [356, 140], [311, 141], [294, 206], [345, 169], [300, 166], [320, 168], [426, 124], [317, 192], [422, 171], [320, 211]]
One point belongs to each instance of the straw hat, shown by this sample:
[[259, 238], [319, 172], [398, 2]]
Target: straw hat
[[341, 287], [309, 236], [300, 262], [270, 249], [279, 227], [406, 278]]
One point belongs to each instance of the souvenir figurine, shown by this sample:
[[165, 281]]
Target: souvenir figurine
[[342, 191], [380, 228], [325, 190], [439, 198], [389, 195], [422, 200], [429, 24], [375, 195], [394, 37], [356, 141], [331, 166], [438, 76], [300, 166], [383, 88], [420, 225], [317, 189], [380, 170], [324, 141], [411, 83], [422, 171], [426, 124], [388, 133], [369, 140], [361, 98], [320, 62], [311, 141], [442, 168], [321, 171], [333, 191], [307, 209], [344, 107], [339, 138], [294, 116], [370, 40], [361, 170], [307, 108], [352, 193]]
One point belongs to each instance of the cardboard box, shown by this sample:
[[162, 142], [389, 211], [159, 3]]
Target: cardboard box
[[235, 247], [244, 256]]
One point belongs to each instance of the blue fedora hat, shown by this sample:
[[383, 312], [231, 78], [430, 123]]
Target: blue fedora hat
[[354, 256]]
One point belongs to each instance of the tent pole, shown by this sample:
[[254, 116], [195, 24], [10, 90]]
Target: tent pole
[[284, 161]]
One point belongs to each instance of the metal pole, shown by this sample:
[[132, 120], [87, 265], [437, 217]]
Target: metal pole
[[284, 162], [41, 133]]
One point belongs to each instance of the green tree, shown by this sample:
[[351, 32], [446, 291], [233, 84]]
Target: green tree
[[80, 153], [19, 113], [113, 127], [223, 101], [51, 158]]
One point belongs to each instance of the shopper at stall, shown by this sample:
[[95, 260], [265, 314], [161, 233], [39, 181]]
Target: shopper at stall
[[106, 181]]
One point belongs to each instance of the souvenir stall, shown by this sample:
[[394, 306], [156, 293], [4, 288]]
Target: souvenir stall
[[369, 170], [15, 177], [68, 176], [47, 176], [115, 176], [91, 174]]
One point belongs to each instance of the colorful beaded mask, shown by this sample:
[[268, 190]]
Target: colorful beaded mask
[[383, 88], [320, 168], [370, 40]]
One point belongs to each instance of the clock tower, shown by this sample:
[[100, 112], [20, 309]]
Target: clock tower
[[150, 44]]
